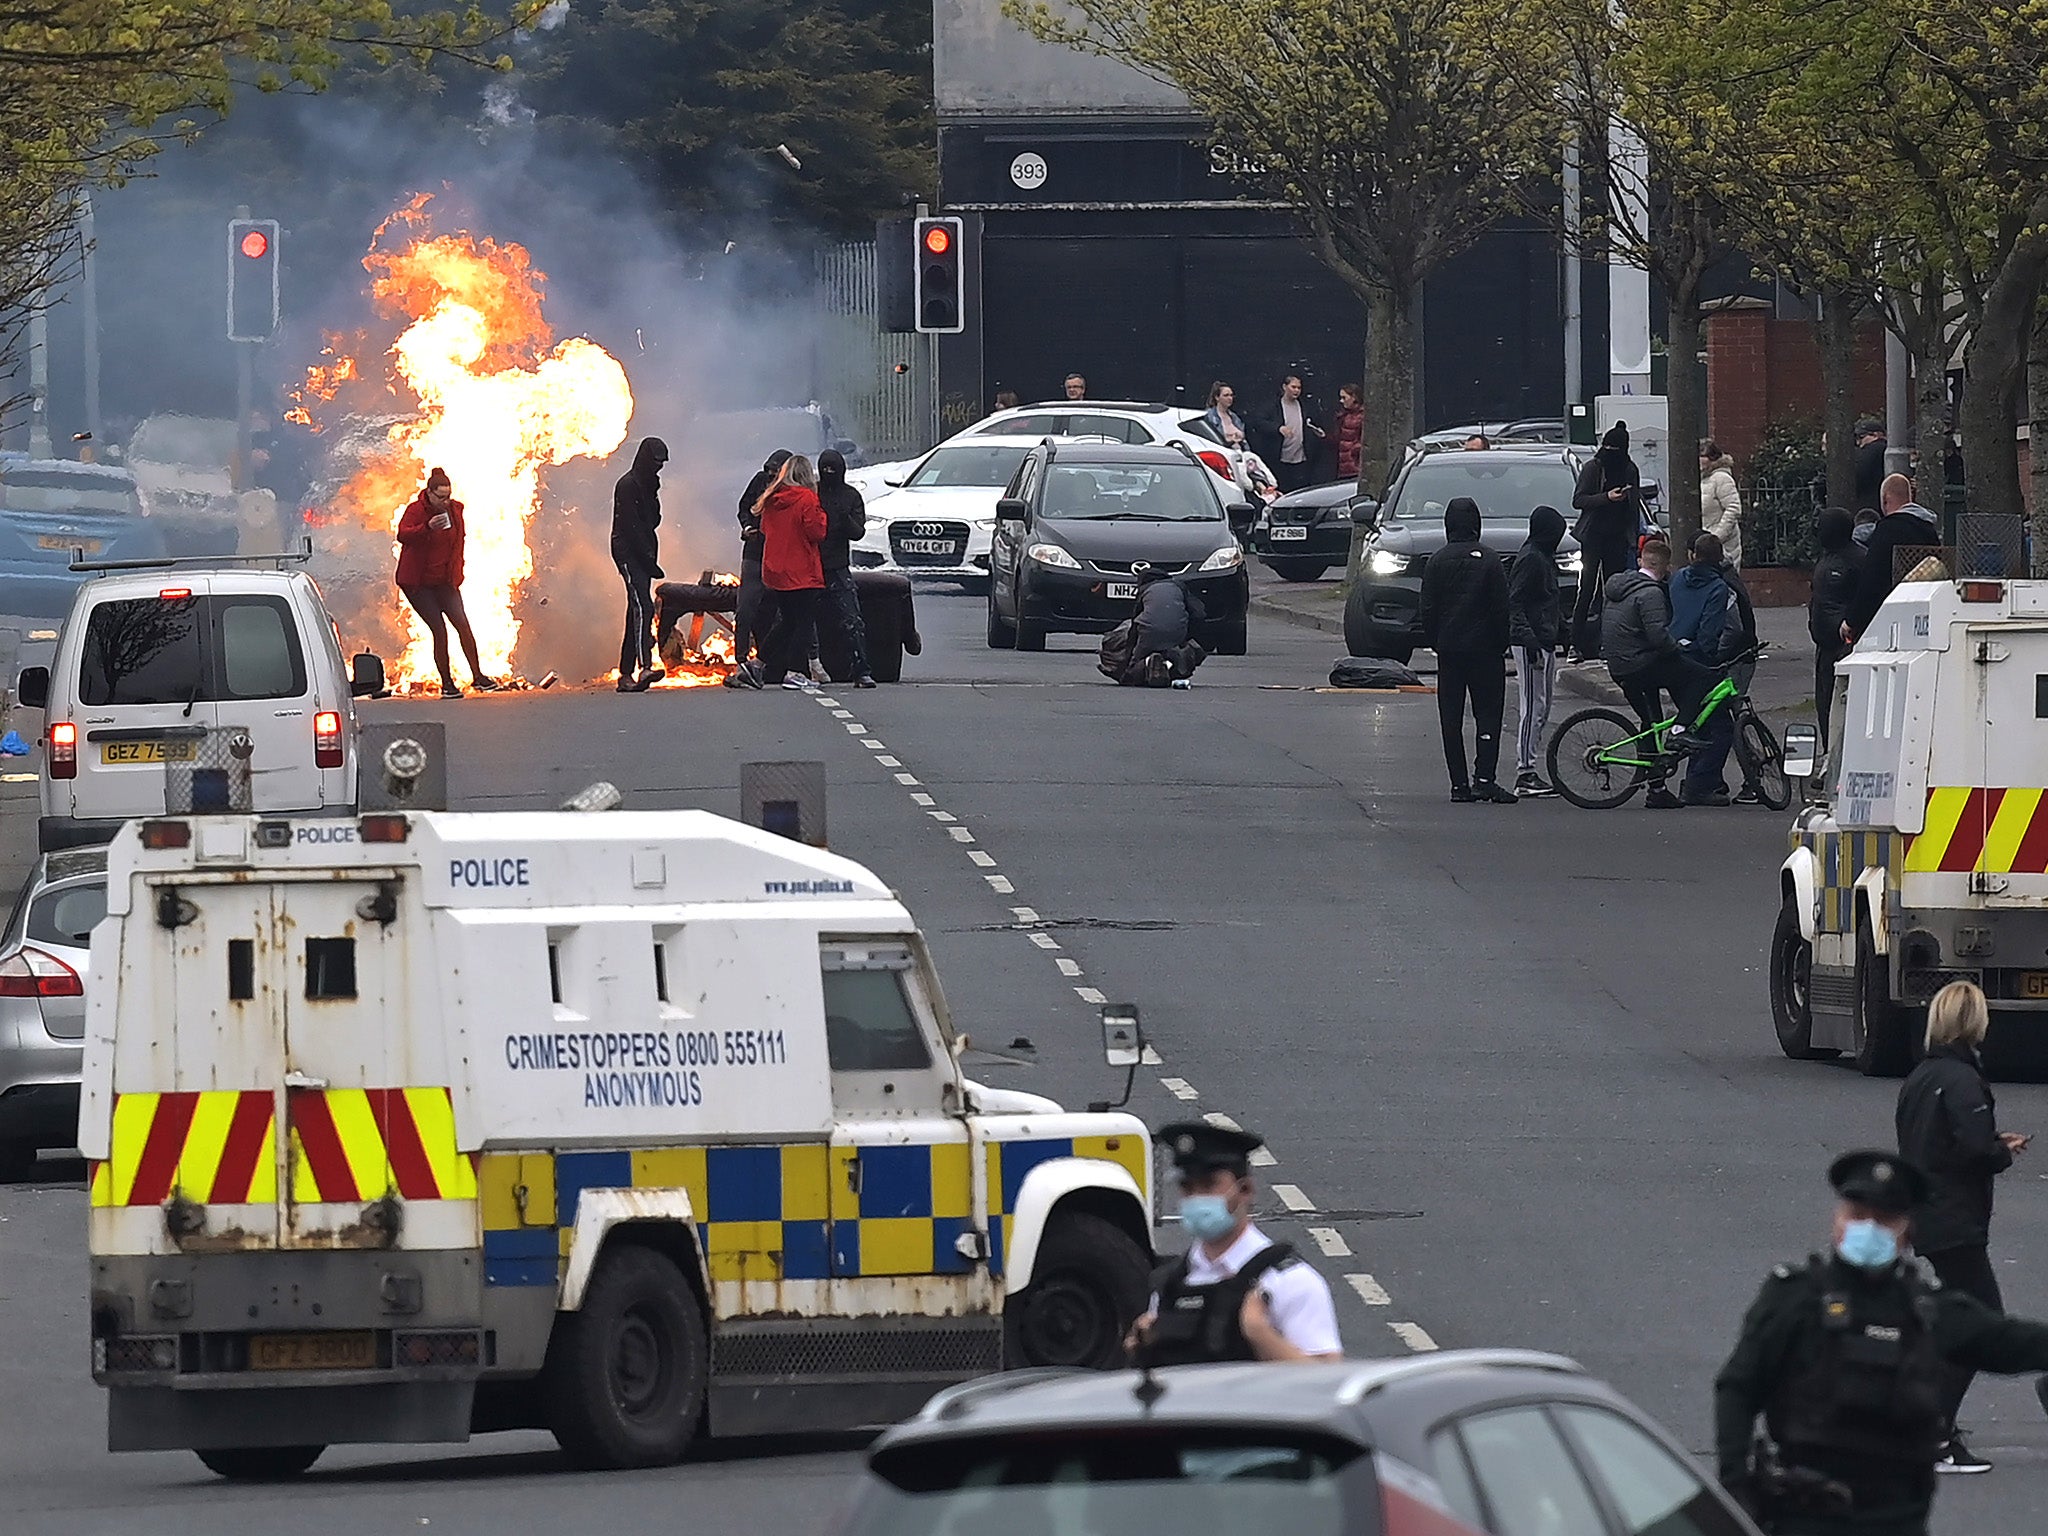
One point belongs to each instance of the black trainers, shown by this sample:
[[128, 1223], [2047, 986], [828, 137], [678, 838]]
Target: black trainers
[[1533, 786], [450, 691], [864, 681], [1958, 1459], [1717, 796], [1661, 799], [485, 684], [1486, 792], [1461, 795], [1748, 795]]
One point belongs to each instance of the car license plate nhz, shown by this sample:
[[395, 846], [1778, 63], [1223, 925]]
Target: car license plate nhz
[[930, 546], [1122, 589], [58, 541], [1290, 531], [2034, 984], [148, 751], [313, 1351]]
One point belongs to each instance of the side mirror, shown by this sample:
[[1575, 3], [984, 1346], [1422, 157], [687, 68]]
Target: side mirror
[[1653, 490], [366, 676], [1242, 515], [1123, 1037], [32, 688], [1365, 513], [1802, 751], [1011, 509]]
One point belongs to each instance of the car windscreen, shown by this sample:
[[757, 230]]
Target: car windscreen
[[1090, 1480], [186, 649], [1158, 493], [67, 914], [1507, 490], [968, 467]]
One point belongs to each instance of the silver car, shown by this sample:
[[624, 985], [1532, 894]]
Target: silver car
[[42, 1004]]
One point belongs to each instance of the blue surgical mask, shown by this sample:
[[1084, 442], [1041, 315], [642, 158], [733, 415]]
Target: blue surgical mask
[[1868, 1245], [1206, 1217]]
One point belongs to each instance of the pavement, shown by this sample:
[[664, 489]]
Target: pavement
[[1515, 1063]]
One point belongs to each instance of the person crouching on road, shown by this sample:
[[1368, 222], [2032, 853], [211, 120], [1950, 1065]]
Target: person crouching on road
[[746, 617], [430, 543], [1235, 1294], [1464, 613], [1948, 1126], [846, 519], [1163, 647], [1643, 657], [636, 515], [792, 527], [1535, 627]]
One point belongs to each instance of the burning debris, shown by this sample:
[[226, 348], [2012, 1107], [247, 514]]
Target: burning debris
[[495, 400]]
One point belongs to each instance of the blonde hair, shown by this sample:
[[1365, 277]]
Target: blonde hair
[[1958, 1015], [796, 470]]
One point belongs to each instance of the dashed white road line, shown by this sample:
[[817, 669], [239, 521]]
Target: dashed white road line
[[906, 778], [1292, 1196], [889, 762], [1150, 1058], [942, 816], [1067, 966], [1090, 995], [1000, 884], [855, 728], [1370, 1291], [1262, 1157], [1222, 1122], [873, 745], [986, 861], [1179, 1087], [961, 834], [1044, 940], [921, 798], [1025, 914], [1331, 1241], [840, 714], [1413, 1335]]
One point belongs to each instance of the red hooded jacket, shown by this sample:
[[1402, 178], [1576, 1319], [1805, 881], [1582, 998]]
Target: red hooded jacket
[[429, 557], [1350, 431], [792, 526]]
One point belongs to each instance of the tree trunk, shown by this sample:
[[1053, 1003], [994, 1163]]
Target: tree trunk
[[1994, 369], [1927, 340], [1688, 415], [1389, 396], [1836, 331]]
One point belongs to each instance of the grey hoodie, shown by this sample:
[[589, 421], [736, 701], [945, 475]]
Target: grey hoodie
[[1635, 626]]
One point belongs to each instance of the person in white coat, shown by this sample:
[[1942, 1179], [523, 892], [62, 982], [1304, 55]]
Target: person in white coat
[[1720, 500]]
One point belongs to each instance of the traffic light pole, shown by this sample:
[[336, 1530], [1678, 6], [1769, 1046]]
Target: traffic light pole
[[245, 393]]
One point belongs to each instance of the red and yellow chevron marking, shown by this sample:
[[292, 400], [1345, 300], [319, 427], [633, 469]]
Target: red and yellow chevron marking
[[352, 1144], [1993, 831], [217, 1147]]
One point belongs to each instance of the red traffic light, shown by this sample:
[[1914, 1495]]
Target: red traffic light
[[255, 245], [937, 239]]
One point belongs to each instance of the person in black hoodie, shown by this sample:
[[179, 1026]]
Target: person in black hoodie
[[1535, 625], [1609, 501], [1464, 613], [746, 618], [636, 515], [846, 519], [1906, 527], [1837, 573], [1163, 649], [1948, 1126]]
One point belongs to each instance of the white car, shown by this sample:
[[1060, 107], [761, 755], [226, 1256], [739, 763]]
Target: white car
[[938, 519], [1134, 421]]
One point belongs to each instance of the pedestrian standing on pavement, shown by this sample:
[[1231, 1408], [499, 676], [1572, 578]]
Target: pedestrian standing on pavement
[[1843, 1355], [1706, 621], [1348, 430], [1222, 416], [636, 515], [430, 540], [1720, 500], [1871, 445], [1235, 1294], [793, 525], [1006, 399], [1643, 657], [1837, 573], [746, 618], [1295, 435], [1906, 530], [1535, 624], [1948, 1128], [846, 519], [1464, 614], [1076, 387], [1609, 501]]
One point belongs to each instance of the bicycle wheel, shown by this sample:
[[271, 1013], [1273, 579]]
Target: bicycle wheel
[[1581, 759], [1763, 762]]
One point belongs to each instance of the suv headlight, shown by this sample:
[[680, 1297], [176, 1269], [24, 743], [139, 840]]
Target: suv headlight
[[1229, 558], [1052, 554], [1385, 562]]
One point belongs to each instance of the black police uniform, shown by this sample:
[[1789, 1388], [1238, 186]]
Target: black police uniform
[[1846, 1366]]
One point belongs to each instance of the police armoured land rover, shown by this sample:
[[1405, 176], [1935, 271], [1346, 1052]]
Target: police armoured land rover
[[626, 1126], [1924, 855]]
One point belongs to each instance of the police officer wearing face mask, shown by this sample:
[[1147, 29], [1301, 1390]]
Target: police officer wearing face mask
[[1236, 1294], [1844, 1357]]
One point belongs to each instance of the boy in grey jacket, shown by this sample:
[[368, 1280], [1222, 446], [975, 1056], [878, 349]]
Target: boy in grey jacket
[[1642, 655]]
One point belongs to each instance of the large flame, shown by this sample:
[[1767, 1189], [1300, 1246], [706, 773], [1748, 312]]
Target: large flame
[[498, 401]]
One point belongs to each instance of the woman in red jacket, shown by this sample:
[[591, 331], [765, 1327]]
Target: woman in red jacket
[[430, 576], [1350, 430], [792, 526]]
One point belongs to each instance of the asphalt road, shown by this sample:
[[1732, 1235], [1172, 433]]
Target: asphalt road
[[1517, 1060]]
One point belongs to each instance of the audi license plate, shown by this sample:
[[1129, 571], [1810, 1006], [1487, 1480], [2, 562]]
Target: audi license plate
[[148, 751], [1290, 531], [313, 1351], [930, 546], [1122, 589], [2034, 984]]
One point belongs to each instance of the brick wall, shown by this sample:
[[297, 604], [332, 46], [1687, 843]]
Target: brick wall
[[1762, 370]]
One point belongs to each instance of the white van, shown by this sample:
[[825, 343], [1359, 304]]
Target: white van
[[153, 665]]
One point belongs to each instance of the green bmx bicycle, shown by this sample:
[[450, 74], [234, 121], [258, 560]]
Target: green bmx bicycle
[[1599, 758]]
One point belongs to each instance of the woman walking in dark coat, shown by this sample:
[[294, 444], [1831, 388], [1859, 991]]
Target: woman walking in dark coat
[[1948, 1127], [430, 539]]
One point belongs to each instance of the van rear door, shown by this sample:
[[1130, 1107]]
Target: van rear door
[[263, 685], [142, 699]]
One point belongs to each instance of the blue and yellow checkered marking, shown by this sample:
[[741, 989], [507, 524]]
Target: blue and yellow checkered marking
[[806, 1211], [1840, 858]]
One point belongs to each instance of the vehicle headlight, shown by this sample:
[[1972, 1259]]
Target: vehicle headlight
[[1052, 554], [985, 525], [1569, 564], [1229, 558], [1385, 562]]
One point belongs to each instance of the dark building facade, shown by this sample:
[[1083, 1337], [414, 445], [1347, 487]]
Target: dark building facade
[[1113, 240]]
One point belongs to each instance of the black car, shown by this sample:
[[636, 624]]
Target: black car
[[1460, 1443], [1307, 532], [1380, 615], [1078, 516]]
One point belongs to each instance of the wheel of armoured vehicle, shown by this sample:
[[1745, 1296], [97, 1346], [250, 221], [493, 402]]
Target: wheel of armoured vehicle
[[625, 1376], [1089, 1284]]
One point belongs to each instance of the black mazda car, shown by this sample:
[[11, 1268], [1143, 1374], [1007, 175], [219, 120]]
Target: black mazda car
[[1079, 516]]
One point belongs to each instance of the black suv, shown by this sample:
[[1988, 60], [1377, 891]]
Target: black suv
[[1078, 516]]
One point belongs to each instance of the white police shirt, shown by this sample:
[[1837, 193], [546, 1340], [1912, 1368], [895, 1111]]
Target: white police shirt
[[1297, 1298]]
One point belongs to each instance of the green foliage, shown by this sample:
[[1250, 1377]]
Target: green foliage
[[1779, 499]]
